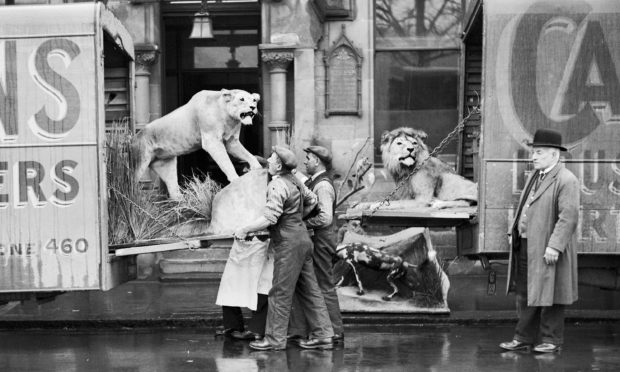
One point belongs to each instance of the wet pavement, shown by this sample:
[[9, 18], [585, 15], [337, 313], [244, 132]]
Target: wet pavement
[[589, 347]]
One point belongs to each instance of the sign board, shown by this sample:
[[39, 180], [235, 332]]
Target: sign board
[[552, 64], [343, 76], [52, 170]]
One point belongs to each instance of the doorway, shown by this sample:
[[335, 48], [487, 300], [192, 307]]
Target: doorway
[[230, 60]]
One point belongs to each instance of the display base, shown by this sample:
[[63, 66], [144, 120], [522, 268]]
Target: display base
[[372, 302]]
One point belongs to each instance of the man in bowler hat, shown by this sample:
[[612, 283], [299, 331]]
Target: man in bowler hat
[[543, 257], [288, 200], [318, 162]]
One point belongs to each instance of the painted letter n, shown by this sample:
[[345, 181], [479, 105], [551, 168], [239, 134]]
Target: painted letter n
[[8, 92]]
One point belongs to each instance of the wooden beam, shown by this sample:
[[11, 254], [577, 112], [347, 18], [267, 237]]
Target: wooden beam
[[158, 248]]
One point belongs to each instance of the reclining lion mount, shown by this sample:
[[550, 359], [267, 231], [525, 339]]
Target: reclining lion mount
[[210, 120], [435, 184]]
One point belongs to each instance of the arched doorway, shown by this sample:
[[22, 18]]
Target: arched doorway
[[230, 60]]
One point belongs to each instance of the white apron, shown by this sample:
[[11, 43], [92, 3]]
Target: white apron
[[248, 271]]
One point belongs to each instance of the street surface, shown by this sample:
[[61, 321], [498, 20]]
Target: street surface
[[589, 347]]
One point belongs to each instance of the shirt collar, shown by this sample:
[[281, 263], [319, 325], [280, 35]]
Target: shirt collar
[[314, 176], [544, 172]]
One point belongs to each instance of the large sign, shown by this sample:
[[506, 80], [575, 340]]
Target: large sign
[[49, 221], [553, 64]]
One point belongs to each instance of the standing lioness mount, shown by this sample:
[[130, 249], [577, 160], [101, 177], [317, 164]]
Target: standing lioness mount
[[211, 120]]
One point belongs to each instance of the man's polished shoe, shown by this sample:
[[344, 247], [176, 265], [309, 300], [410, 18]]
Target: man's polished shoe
[[317, 343], [547, 348], [245, 335], [295, 339], [264, 345], [338, 338], [514, 345], [221, 331]]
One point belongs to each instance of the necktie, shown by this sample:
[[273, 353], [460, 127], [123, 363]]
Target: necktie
[[539, 179]]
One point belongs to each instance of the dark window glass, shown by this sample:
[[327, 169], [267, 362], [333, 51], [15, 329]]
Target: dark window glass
[[417, 89], [417, 23], [416, 68]]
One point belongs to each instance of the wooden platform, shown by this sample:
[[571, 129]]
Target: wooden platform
[[420, 217]]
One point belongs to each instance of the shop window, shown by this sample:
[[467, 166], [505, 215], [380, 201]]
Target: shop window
[[416, 68], [226, 57]]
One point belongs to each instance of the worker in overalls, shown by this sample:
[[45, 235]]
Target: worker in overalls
[[318, 163], [287, 199]]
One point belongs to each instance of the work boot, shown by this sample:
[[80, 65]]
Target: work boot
[[317, 343], [245, 335], [338, 338], [515, 345], [295, 339], [547, 348], [264, 345]]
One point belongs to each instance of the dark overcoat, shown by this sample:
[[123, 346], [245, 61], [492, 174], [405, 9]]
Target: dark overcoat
[[552, 222]]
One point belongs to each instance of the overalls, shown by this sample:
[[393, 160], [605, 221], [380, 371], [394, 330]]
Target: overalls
[[294, 273], [324, 241]]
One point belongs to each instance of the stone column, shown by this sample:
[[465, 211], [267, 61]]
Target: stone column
[[277, 61], [146, 56]]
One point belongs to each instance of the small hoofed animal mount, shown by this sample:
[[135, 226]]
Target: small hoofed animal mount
[[405, 261]]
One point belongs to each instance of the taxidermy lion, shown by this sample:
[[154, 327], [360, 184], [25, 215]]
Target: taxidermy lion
[[210, 120], [435, 184]]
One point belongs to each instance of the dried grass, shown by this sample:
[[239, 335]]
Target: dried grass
[[133, 214], [138, 213], [197, 198]]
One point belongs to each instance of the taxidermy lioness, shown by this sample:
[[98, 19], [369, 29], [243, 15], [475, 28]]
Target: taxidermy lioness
[[211, 120]]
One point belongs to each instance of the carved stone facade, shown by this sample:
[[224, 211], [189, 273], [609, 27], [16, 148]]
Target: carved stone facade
[[146, 55], [277, 61]]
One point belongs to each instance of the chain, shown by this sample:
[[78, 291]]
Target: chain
[[459, 127], [149, 215]]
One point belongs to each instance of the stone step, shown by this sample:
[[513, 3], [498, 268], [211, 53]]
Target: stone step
[[190, 265], [198, 254], [191, 277]]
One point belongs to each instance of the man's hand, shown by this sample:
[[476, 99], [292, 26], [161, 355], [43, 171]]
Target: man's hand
[[240, 233], [300, 176], [551, 256]]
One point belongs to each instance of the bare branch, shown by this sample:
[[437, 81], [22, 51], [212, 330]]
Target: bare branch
[[347, 196], [346, 177]]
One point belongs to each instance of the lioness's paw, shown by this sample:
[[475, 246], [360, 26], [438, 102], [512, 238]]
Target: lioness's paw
[[439, 204], [255, 164]]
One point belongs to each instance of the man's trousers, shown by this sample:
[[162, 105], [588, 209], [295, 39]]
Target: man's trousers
[[323, 254], [233, 317], [546, 321], [294, 273]]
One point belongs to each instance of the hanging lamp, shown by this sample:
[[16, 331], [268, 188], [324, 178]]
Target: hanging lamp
[[202, 28]]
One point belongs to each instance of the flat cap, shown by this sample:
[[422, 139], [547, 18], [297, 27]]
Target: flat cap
[[321, 153], [287, 157]]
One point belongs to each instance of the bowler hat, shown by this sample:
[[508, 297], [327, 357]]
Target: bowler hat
[[548, 138], [321, 153], [287, 157]]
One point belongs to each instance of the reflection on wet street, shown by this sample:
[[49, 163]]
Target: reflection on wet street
[[589, 347]]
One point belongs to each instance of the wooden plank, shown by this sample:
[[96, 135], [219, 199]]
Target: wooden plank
[[162, 245], [158, 248], [423, 217]]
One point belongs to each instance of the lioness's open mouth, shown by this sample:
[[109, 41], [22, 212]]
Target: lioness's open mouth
[[246, 117]]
